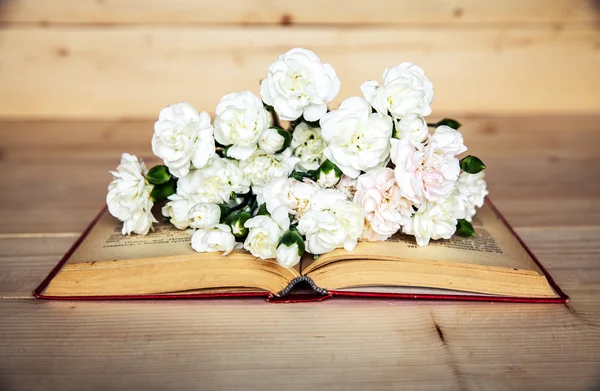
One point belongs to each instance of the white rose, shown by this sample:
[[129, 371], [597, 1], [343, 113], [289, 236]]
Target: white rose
[[405, 90], [214, 239], [430, 172], [432, 221], [347, 186], [241, 118], [470, 191], [288, 256], [412, 127], [308, 146], [299, 84], [177, 210], [213, 183], [204, 215], [295, 196], [182, 137], [264, 233], [271, 141], [378, 194], [331, 222], [260, 168], [357, 140], [128, 197]]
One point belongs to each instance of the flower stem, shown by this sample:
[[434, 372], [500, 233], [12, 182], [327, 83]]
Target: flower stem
[[276, 121]]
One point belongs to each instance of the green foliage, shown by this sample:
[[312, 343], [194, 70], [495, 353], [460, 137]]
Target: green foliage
[[472, 164], [158, 175], [464, 228]]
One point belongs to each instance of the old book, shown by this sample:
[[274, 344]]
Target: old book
[[494, 265]]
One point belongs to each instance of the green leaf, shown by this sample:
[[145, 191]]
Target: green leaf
[[299, 176], [225, 210], [464, 228], [472, 164], [262, 210], [454, 124], [160, 192], [158, 175]]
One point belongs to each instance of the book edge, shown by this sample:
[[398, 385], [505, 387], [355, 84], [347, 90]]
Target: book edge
[[321, 293], [561, 295]]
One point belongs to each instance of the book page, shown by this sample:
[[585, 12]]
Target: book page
[[106, 242], [493, 245]]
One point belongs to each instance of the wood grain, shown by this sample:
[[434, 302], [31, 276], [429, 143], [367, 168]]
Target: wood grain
[[337, 12], [334, 345], [129, 71]]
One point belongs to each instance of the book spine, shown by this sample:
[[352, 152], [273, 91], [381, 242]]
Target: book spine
[[297, 280]]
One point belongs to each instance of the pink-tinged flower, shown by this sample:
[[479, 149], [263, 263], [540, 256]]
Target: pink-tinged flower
[[378, 194], [428, 172]]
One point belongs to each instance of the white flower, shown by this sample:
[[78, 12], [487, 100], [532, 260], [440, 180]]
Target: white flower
[[299, 84], [264, 233], [260, 168], [432, 221], [430, 172], [412, 127], [347, 186], [241, 118], [182, 137], [177, 210], [405, 90], [308, 146], [128, 197], [331, 222], [295, 196], [469, 192], [213, 183], [288, 256], [378, 194], [271, 141], [214, 239], [204, 215], [357, 140]]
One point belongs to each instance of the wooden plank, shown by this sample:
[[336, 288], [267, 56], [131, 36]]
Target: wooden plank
[[123, 71], [335, 345], [549, 137], [25, 262], [394, 12]]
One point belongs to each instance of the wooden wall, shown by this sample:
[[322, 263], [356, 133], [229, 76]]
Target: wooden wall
[[129, 58]]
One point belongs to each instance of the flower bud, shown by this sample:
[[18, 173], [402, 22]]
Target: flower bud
[[236, 221], [204, 215], [274, 140], [158, 175], [328, 174], [290, 249], [161, 192]]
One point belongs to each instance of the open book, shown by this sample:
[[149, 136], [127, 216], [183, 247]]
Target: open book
[[494, 265]]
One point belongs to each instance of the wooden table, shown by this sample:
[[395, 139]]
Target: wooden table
[[544, 175]]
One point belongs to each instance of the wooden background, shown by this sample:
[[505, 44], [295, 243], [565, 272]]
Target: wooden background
[[82, 81], [130, 58]]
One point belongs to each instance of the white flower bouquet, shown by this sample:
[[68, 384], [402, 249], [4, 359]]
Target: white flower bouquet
[[363, 172]]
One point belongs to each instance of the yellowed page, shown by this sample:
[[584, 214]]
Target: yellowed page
[[109, 263]]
